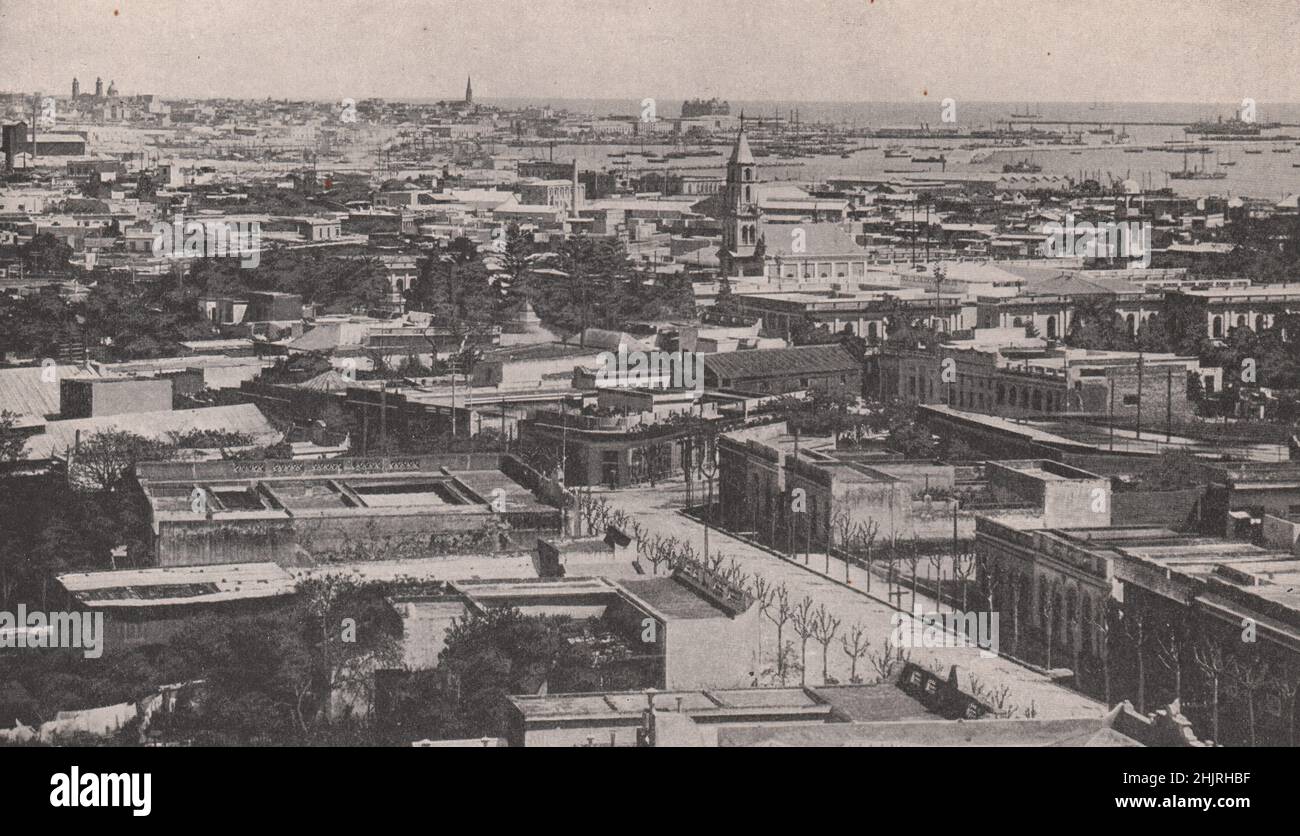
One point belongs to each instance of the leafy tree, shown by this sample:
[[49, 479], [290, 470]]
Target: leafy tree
[[1097, 325], [12, 442], [45, 253], [488, 656]]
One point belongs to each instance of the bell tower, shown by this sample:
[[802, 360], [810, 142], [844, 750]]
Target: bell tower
[[740, 204]]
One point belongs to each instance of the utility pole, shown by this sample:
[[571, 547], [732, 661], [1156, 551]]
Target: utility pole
[[956, 503], [453, 365], [1110, 416], [1169, 404], [1139, 404], [383, 416]]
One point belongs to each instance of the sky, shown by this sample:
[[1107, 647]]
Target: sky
[[778, 50]]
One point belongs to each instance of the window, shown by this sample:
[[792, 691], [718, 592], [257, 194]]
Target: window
[[1130, 400]]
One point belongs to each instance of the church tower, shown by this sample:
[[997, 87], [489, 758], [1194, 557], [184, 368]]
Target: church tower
[[76, 88], [740, 213]]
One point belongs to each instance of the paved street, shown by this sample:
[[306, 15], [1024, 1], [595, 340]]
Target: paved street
[[656, 509]]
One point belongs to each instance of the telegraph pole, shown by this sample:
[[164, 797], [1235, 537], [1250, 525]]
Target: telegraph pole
[[1139, 404]]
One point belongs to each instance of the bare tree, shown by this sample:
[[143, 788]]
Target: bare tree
[[1210, 658], [658, 551], [1048, 606], [889, 659], [825, 626], [913, 557], [936, 561], [1170, 643], [1133, 619], [996, 698], [1286, 694], [802, 620], [842, 525], [779, 613], [962, 567], [864, 538], [856, 645], [764, 593], [1249, 675]]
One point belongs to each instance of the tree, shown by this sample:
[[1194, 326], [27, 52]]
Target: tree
[[488, 656], [106, 458], [764, 593], [801, 619], [1048, 608], [1210, 658], [1133, 620], [1249, 674], [779, 613], [864, 539], [936, 562], [824, 628], [1171, 643], [45, 253], [12, 442], [962, 567], [889, 659], [912, 554], [1097, 325], [354, 633], [856, 645], [726, 303]]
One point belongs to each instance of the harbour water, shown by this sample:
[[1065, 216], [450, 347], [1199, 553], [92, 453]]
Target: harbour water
[[1259, 168]]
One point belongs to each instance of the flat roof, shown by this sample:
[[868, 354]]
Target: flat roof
[[672, 598], [630, 704], [173, 585]]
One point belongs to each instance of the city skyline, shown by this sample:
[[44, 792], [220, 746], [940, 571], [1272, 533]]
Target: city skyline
[[856, 52]]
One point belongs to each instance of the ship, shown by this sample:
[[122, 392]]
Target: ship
[[703, 107], [1022, 167], [1231, 127], [1196, 173], [895, 152], [1025, 115]]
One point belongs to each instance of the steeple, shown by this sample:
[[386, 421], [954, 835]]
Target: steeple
[[740, 153], [740, 213], [469, 91]]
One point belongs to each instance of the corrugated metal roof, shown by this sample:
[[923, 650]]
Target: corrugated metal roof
[[59, 436], [24, 392], [809, 359]]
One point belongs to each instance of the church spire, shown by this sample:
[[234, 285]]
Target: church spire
[[469, 91]]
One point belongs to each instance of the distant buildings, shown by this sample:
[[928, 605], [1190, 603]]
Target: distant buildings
[[777, 371], [991, 374]]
